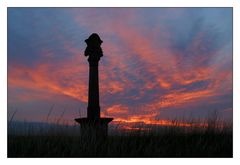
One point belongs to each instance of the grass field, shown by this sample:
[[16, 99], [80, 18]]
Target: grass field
[[211, 141]]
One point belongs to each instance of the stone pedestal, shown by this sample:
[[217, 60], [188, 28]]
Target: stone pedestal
[[94, 128]]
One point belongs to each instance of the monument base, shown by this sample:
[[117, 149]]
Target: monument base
[[94, 128]]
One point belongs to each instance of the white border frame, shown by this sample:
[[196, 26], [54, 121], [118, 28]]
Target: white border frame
[[113, 3]]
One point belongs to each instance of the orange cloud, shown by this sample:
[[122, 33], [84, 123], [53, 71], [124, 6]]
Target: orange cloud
[[41, 78], [116, 110], [163, 83]]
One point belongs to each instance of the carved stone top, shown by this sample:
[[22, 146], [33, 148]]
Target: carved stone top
[[93, 50]]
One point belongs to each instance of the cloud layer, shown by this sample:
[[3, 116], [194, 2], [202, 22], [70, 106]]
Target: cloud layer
[[159, 63]]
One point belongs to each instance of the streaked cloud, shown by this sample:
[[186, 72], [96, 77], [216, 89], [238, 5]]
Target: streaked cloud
[[158, 63]]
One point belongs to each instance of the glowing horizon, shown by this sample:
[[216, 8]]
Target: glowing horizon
[[159, 63]]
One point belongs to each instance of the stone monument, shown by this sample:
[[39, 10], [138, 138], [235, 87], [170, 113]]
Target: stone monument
[[93, 125]]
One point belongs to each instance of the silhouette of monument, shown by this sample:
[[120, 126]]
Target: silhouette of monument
[[93, 125]]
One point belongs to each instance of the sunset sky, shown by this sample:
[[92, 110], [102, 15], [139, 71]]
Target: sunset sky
[[159, 64]]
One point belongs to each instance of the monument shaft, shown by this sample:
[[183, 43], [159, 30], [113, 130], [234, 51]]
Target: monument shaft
[[93, 111]]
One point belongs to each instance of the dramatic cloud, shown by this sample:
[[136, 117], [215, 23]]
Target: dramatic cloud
[[159, 63]]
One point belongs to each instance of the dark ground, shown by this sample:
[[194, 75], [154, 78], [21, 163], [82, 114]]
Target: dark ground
[[169, 144]]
